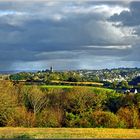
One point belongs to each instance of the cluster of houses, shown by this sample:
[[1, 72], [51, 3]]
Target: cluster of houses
[[133, 90], [119, 79]]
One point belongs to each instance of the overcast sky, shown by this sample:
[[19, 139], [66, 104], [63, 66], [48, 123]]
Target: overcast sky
[[69, 34]]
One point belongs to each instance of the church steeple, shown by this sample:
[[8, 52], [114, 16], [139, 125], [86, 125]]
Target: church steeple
[[51, 69]]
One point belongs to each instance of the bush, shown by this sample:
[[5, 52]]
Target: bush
[[21, 118], [128, 100], [8, 101], [55, 97], [137, 100], [114, 102], [76, 120], [104, 119], [72, 120], [50, 118], [130, 116]]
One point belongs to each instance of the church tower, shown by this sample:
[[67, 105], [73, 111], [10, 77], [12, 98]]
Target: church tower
[[51, 69]]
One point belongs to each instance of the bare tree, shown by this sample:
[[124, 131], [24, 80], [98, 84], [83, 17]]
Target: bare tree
[[37, 99]]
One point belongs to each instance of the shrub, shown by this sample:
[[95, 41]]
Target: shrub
[[104, 119], [137, 100], [72, 120], [114, 102], [8, 101], [130, 116], [55, 97], [128, 100], [21, 118], [84, 123], [50, 118]]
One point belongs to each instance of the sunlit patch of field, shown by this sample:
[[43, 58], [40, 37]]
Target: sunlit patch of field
[[8, 132], [78, 83], [69, 86], [56, 86], [95, 89]]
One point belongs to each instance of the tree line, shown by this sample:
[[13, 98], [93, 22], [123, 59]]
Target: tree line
[[30, 106]]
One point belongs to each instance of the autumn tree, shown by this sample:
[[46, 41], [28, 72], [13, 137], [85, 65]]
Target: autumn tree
[[8, 101]]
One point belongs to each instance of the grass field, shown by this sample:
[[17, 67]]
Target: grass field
[[67, 87], [9, 132], [56, 86], [78, 83]]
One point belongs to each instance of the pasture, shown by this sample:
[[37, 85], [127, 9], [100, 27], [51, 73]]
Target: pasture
[[94, 89]]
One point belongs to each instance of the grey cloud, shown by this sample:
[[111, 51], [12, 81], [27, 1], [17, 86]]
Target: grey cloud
[[134, 55], [44, 32], [129, 18]]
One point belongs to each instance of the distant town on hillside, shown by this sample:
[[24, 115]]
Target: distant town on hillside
[[123, 79]]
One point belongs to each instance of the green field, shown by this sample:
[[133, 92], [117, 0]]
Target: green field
[[9, 132], [96, 89]]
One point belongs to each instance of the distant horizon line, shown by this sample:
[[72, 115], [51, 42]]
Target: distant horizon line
[[68, 69]]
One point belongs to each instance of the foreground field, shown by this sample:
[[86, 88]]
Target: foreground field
[[68, 133]]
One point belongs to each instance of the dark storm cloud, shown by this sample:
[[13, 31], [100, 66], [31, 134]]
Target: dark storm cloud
[[63, 33], [129, 18]]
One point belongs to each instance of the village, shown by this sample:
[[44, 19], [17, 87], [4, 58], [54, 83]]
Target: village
[[117, 79]]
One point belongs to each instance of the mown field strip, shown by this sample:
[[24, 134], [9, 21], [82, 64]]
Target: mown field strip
[[9, 132]]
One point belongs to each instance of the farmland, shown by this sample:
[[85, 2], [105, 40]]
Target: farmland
[[10, 132], [69, 87]]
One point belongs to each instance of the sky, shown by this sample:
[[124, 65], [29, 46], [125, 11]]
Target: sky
[[66, 34]]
